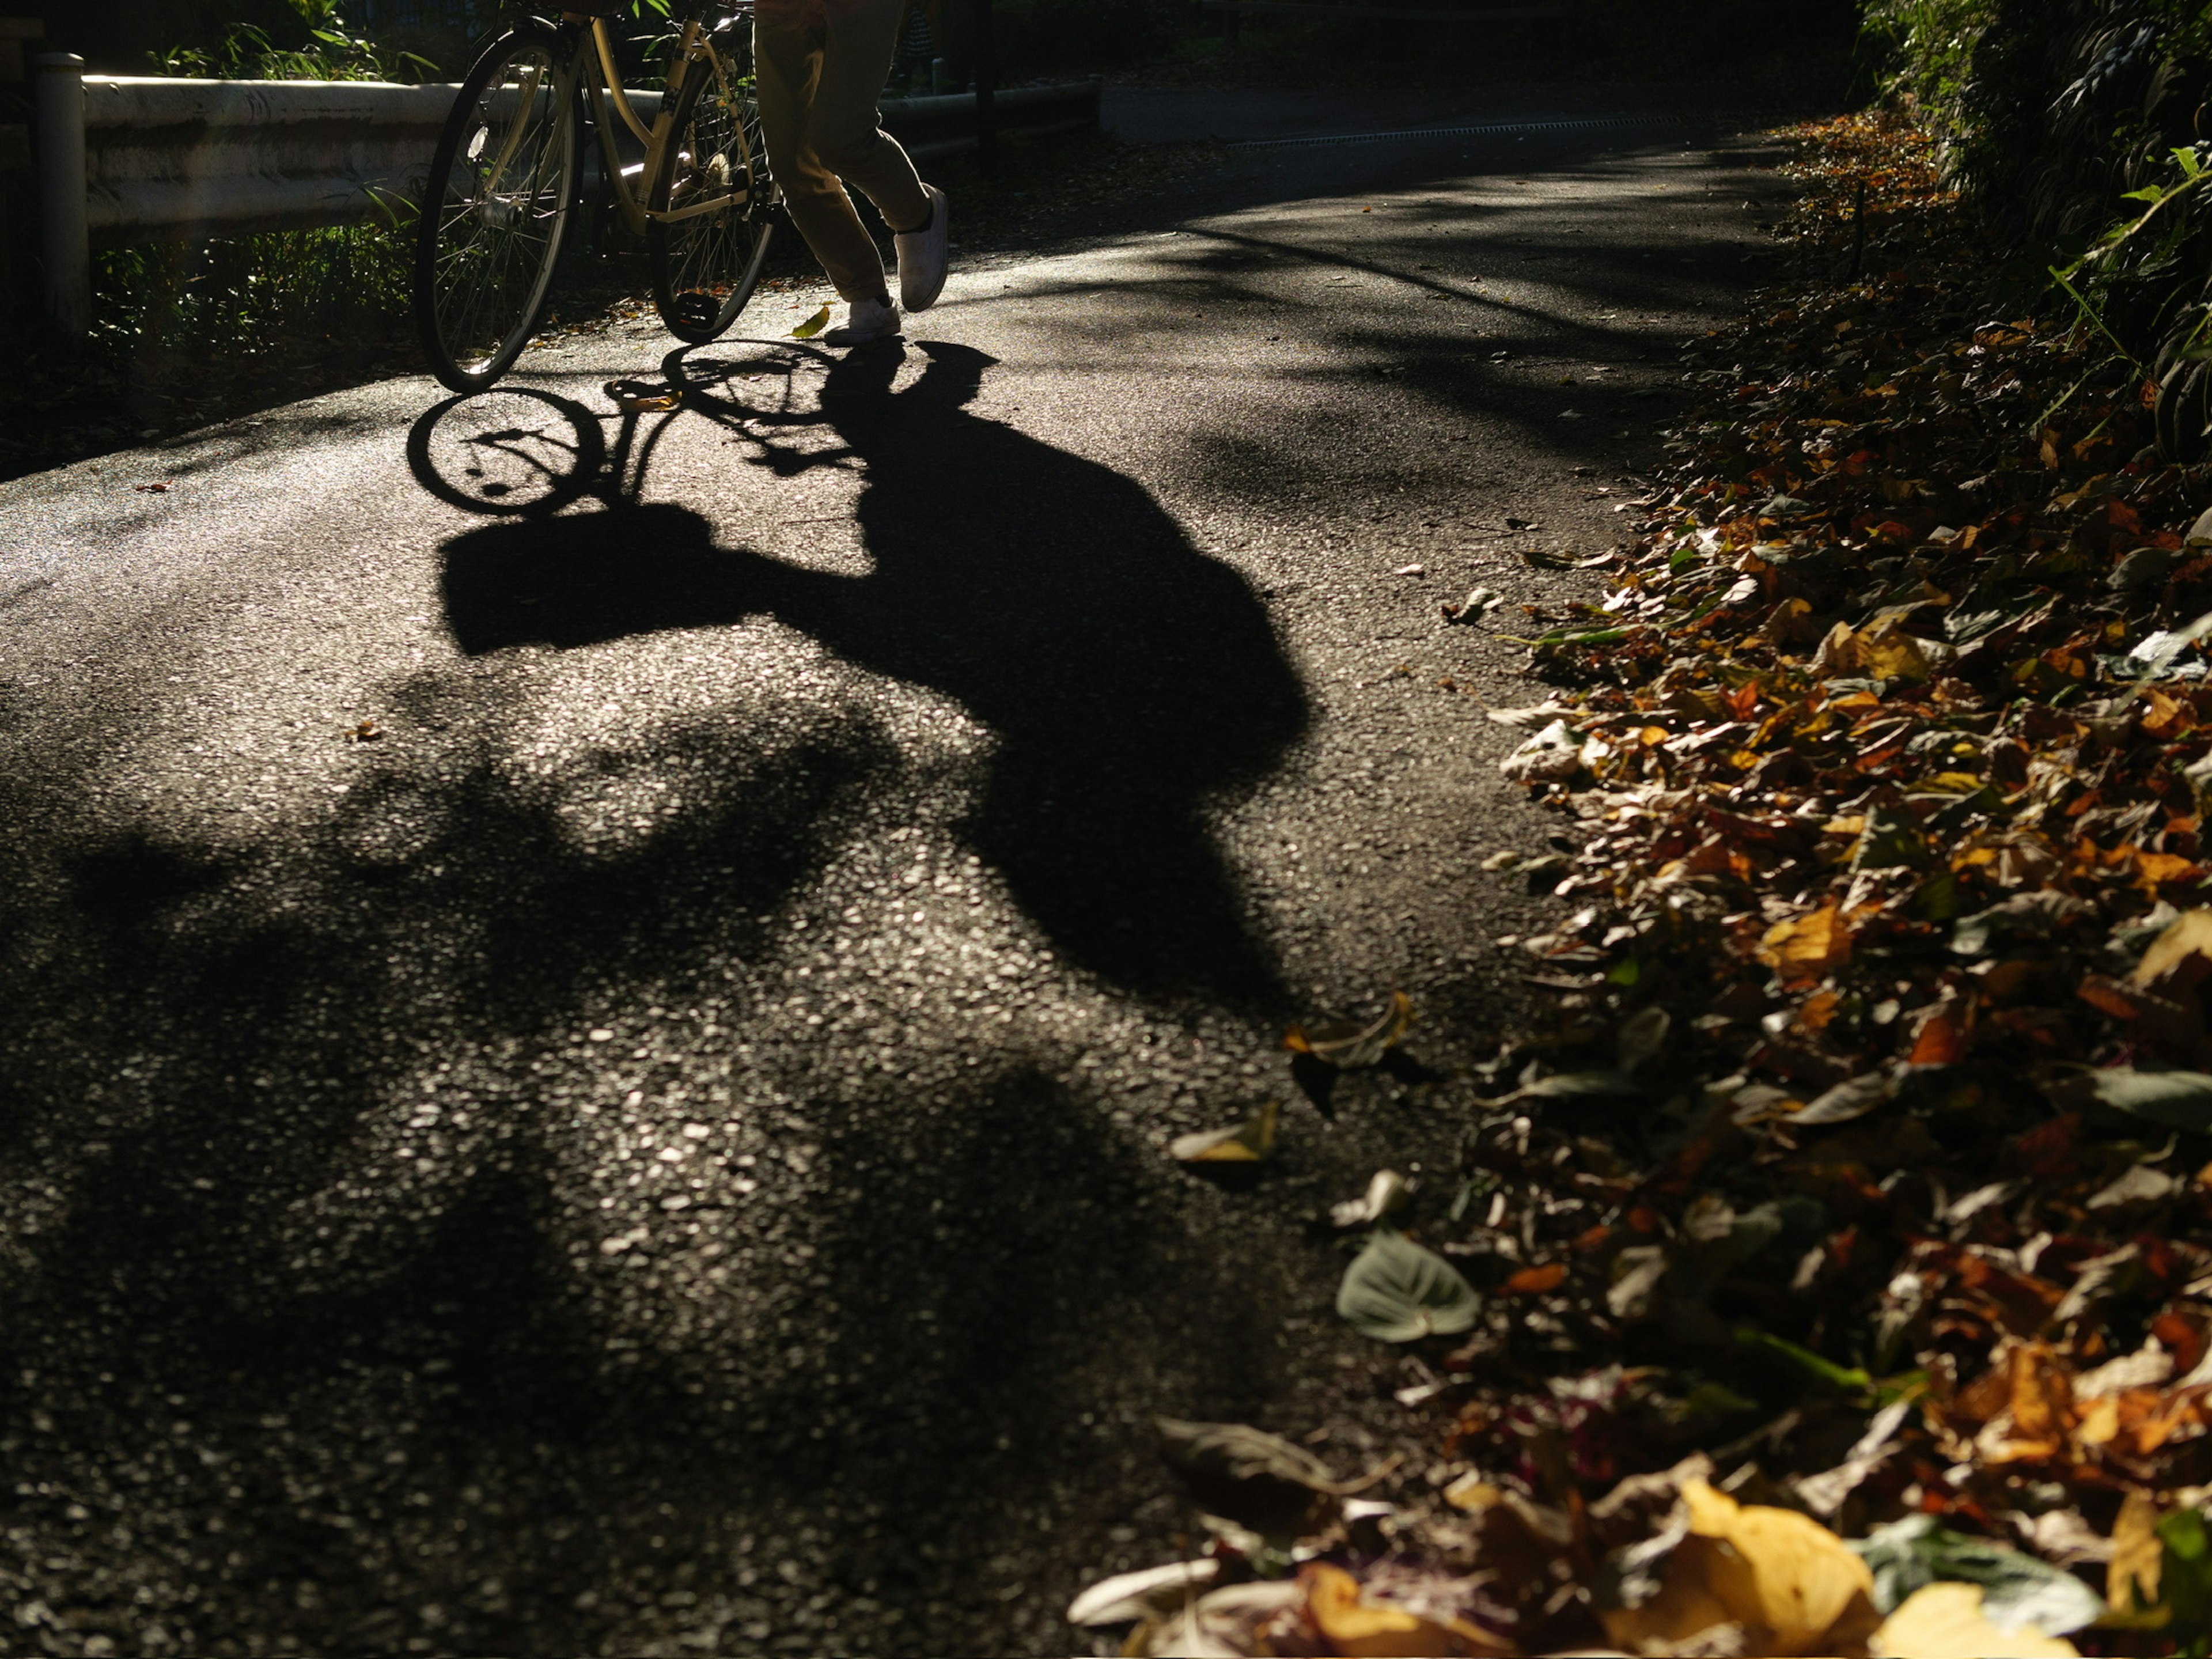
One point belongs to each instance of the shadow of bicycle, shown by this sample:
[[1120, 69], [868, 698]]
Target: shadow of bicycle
[[1129, 679]]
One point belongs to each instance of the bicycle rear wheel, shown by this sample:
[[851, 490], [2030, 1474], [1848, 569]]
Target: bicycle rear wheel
[[495, 209], [714, 176]]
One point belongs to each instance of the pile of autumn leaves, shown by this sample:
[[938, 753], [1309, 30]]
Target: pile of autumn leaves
[[1833, 1274]]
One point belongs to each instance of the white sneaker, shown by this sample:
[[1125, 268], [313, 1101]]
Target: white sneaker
[[865, 320], [924, 254]]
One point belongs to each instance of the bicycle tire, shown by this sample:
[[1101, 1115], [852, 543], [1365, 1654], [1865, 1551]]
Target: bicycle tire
[[705, 268], [485, 255]]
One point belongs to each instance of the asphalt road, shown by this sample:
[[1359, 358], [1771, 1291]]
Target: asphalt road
[[597, 1083]]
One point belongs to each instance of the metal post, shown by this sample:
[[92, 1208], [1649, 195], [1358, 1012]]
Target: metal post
[[987, 82], [63, 237]]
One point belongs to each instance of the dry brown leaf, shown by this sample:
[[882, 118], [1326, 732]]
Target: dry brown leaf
[[1349, 1047], [1938, 1042], [1945, 1621], [1535, 1281]]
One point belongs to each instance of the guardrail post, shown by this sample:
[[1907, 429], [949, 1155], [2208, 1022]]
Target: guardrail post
[[987, 82], [64, 239]]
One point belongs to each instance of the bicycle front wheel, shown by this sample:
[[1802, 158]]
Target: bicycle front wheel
[[495, 209], [712, 197]]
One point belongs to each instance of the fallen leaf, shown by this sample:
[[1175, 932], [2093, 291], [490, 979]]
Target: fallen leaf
[[1255, 1479], [813, 325], [1805, 950], [1249, 1142], [1361, 1629], [2180, 1100], [2132, 1577], [2018, 1591], [641, 397], [1642, 1035], [1553, 756], [1793, 1585], [1846, 1101], [1386, 1192], [1539, 714], [2184, 946], [1535, 1281], [1396, 1291], [1947, 1621], [1350, 1047], [1149, 1593]]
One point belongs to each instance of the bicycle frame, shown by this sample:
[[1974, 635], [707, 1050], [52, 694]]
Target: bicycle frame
[[693, 46]]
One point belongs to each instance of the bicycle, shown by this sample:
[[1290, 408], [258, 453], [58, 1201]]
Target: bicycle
[[506, 180]]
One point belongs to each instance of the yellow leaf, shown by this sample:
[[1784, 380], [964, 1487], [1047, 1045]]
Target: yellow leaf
[[1363, 1629], [2189, 935], [1893, 655], [2138, 1554], [1945, 1621], [1804, 950], [1247, 1143], [2100, 1421], [813, 325], [1793, 1586]]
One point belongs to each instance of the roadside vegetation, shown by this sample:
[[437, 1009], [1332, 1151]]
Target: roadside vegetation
[[188, 332], [1829, 1270]]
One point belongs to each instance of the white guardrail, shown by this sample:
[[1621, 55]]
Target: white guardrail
[[132, 159]]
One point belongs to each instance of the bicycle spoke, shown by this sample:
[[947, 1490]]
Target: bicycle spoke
[[500, 210]]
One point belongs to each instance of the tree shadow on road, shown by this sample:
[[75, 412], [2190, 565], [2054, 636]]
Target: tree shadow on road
[[1127, 677]]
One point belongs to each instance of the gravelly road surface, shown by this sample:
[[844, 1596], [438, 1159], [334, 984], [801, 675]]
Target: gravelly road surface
[[658, 1148]]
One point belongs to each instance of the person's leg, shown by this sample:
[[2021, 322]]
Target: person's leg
[[788, 56], [842, 128]]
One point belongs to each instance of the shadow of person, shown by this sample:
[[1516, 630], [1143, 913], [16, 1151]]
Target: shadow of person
[[1128, 677]]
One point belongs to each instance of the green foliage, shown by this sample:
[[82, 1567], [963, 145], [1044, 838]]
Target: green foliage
[[2074, 127], [1924, 48], [248, 53], [243, 296]]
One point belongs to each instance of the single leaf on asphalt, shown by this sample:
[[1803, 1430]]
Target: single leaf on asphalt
[[813, 325], [1349, 1046], [1535, 713], [1396, 1291], [1249, 1142], [1948, 1621], [1553, 756], [1386, 1192], [1243, 1474], [641, 396], [2179, 1100], [1129, 1596]]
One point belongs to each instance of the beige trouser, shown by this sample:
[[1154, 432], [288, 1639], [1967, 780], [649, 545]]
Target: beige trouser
[[820, 67]]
